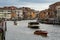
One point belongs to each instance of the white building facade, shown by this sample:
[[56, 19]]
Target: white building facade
[[7, 11]]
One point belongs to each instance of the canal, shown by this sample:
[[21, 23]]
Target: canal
[[22, 32]]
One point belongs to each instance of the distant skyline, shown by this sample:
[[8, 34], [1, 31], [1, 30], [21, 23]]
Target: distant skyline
[[35, 4]]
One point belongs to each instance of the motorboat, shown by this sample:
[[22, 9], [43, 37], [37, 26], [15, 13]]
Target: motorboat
[[34, 25], [41, 32]]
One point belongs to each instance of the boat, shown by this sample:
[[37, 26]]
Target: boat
[[41, 32], [34, 25], [54, 22]]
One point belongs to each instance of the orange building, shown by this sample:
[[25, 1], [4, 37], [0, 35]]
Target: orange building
[[43, 15], [33, 15], [13, 15], [28, 13]]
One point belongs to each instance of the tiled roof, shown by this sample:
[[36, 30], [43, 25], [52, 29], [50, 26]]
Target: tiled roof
[[9, 8]]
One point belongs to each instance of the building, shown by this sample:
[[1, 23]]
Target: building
[[56, 10], [10, 12], [28, 13], [52, 13], [13, 12], [4, 13], [43, 15]]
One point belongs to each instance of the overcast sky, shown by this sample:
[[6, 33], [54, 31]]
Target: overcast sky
[[35, 4]]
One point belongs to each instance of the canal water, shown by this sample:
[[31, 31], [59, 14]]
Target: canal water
[[22, 32]]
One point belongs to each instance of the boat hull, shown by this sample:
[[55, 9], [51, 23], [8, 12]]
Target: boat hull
[[40, 32]]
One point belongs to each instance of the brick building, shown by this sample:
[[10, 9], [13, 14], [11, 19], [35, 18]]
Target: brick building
[[52, 13], [56, 10]]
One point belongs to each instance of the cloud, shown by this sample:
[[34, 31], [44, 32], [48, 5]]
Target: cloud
[[35, 4], [15, 2], [8, 2], [39, 1]]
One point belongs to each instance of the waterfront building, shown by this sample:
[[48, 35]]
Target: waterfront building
[[10, 12], [56, 9], [4, 13], [43, 15], [52, 13], [28, 13]]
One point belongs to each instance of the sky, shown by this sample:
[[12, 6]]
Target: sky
[[34, 4]]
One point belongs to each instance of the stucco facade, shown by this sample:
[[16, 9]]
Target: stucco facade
[[10, 12]]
